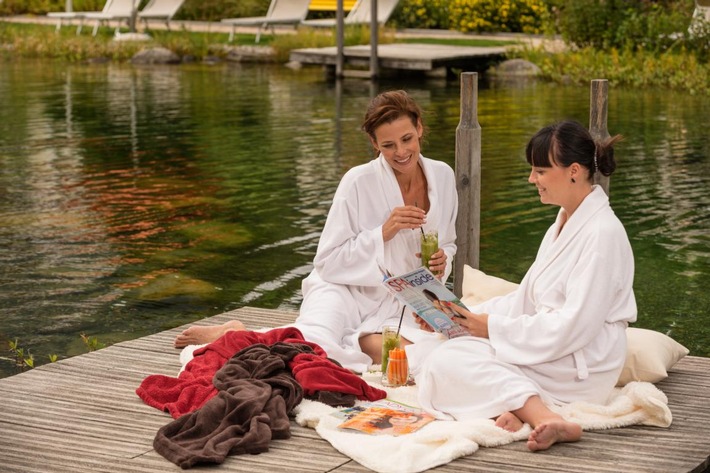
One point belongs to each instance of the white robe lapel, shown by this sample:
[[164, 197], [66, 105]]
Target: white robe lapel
[[596, 201], [390, 187]]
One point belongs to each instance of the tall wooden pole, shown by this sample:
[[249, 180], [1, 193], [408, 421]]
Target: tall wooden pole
[[468, 180], [374, 38], [598, 104], [339, 39]]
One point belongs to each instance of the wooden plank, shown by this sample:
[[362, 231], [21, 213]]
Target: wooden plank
[[82, 415]]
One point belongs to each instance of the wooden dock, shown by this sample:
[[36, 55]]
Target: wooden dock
[[82, 415], [406, 57]]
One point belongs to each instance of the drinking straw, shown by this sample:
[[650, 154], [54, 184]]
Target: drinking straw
[[420, 228], [400, 320]]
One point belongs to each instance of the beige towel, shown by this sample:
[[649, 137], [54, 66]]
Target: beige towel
[[440, 442]]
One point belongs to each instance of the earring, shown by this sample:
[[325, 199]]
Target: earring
[[573, 181]]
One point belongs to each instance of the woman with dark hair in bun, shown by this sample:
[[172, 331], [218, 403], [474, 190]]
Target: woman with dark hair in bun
[[561, 336]]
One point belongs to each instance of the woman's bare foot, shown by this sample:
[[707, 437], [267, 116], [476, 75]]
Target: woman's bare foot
[[198, 335], [509, 421], [549, 433]]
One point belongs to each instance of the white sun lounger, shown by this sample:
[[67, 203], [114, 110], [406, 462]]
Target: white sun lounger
[[701, 15], [160, 10], [120, 10], [360, 14], [281, 12]]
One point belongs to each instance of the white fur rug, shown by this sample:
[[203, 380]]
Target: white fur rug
[[440, 442]]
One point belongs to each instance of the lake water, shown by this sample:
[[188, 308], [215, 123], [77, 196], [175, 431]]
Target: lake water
[[133, 200]]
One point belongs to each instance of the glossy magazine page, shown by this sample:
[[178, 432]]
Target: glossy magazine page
[[429, 298]]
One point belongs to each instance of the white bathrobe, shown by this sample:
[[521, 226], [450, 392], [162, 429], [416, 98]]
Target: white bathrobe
[[561, 334], [343, 297]]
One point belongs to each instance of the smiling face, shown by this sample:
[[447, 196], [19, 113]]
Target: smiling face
[[398, 141], [553, 183]]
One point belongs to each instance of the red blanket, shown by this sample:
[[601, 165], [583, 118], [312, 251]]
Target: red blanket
[[194, 387]]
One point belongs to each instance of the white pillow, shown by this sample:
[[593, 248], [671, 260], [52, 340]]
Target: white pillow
[[649, 354], [478, 287]]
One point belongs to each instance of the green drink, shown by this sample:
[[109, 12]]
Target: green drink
[[430, 245], [390, 340]]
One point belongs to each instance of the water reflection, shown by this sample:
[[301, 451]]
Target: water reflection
[[136, 199]]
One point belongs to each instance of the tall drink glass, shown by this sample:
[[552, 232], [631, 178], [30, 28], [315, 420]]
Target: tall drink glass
[[390, 340], [430, 245]]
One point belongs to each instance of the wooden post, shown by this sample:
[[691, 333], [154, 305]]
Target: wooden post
[[339, 40], [468, 180], [374, 38], [598, 104]]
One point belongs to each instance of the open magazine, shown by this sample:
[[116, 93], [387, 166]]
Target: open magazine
[[383, 417], [421, 291]]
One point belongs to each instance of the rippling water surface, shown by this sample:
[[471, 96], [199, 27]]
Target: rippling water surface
[[133, 200]]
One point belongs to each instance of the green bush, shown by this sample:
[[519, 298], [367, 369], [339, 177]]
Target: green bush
[[215, 10], [620, 24], [41, 7], [423, 14], [678, 70]]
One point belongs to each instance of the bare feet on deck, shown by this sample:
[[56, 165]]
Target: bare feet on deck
[[509, 421], [198, 335], [548, 433]]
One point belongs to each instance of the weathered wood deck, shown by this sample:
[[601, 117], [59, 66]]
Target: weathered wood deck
[[403, 56], [82, 414]]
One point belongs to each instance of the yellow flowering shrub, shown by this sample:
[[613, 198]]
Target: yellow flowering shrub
[[424, 14], [519, 16]]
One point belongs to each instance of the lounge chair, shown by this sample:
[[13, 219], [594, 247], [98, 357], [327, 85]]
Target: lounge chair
[[701, 17], [281, 12], [73, 15], [69, 16], [160, 10], [360, 14], [118, 10]]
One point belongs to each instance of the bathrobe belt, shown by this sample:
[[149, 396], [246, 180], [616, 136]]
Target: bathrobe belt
[[581, 364]]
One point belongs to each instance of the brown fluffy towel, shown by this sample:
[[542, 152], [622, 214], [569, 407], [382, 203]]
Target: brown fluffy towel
[[256, 393]]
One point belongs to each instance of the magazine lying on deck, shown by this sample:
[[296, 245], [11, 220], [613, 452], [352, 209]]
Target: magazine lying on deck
[[421, 291], [383, 417]]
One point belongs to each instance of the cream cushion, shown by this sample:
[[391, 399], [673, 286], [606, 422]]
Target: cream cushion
[[649, 355], [479, 287]]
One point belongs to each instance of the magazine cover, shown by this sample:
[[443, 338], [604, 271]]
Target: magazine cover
[[424, 294], [349, 412], [386, 418]]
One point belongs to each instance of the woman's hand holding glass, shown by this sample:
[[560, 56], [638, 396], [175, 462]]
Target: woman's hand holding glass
[[437, 263]]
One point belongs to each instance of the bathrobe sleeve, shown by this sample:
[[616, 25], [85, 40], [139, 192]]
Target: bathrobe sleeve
[[351, 244]]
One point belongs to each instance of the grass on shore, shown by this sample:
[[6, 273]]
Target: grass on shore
[[679, 70], [41, 40]]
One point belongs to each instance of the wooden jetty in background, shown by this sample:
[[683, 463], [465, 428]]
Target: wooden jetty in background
[[427, 58]]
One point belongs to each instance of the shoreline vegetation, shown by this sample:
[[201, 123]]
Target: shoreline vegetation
[[678, 68]]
